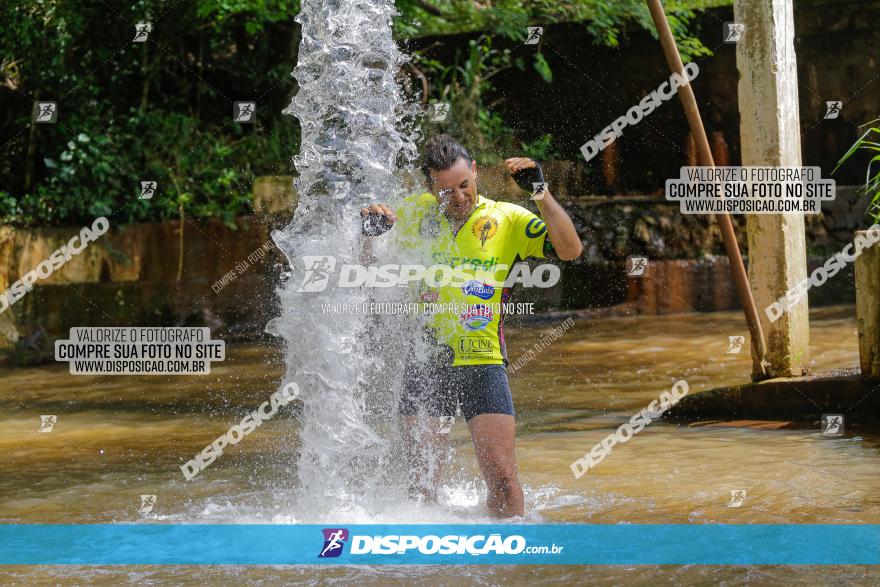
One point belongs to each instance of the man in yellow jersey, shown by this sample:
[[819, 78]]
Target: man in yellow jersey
[[483, 239]]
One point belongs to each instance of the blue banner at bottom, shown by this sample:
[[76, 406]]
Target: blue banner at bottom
[[544, 544]]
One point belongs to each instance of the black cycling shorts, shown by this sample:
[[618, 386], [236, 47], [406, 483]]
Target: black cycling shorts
[[437, 390]]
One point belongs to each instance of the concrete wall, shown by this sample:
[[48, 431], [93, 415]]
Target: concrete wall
[[129, 276]]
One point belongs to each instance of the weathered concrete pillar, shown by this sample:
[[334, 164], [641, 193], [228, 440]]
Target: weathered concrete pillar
[[868, 311], [770, 135]]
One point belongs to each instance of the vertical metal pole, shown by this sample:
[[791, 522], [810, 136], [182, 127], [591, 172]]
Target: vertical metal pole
[[704, 158]]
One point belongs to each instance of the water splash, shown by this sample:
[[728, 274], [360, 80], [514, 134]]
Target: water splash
[[357, 145]]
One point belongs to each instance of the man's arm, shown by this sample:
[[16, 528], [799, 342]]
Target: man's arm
[[560, 229]]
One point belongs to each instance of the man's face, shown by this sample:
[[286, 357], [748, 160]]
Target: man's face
[[456, 189]]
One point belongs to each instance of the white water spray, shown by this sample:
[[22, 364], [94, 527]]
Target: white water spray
[[353, 153]]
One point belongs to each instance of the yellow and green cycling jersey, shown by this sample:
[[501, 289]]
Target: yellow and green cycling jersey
[[495, 237]]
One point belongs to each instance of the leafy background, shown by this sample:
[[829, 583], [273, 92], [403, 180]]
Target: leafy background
[[161, 110]]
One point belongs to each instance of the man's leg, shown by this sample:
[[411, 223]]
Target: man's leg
[[425, 399], [427, 451], [493, 436]]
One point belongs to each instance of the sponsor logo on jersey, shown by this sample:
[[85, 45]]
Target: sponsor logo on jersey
[[476, 317], [475, 263], [475, 345], [485, 228], [430, 295], [535, 228], [483, 291]]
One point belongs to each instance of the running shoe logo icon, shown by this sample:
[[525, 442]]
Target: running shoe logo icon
[[148, 188], [733, 32], [244, 112], [636, 266], [147, 504], [538, 188], [533, 34], [832, 109], [45, 112], [438, 111], [317, 273], [736, 344], [446, 423], [334, 540], [142, 31], [47, 423], [737, 498], [832, 424]]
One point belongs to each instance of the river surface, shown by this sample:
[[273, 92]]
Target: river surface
[[117, 438]]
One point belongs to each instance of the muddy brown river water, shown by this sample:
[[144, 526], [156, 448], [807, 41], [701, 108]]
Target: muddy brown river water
[[119, 437]]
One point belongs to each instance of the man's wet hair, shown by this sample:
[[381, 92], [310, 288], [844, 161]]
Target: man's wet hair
[[440, 153]]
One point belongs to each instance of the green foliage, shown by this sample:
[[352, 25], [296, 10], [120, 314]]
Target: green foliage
[[201, 170], [161, 110], [872, 181], [543, 68], [604, 19], [130, 112], [466, 85], [254, 13], [541, 149]]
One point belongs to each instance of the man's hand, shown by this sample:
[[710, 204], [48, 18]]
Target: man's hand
[[526, 172], [560, 228], [377, 219]]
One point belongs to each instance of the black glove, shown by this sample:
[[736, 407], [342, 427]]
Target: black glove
[[524, 178], [375, 224]]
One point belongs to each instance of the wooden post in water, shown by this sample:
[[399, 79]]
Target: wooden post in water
[[704, 157]]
